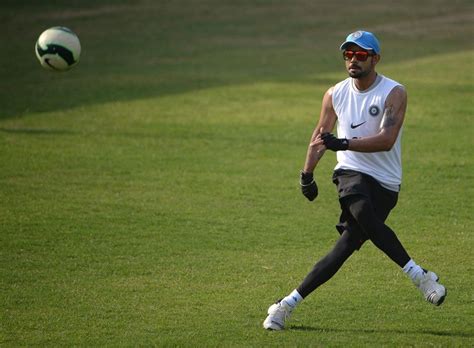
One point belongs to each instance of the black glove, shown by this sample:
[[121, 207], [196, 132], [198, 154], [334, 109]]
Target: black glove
[[308, 186], [333, 143]]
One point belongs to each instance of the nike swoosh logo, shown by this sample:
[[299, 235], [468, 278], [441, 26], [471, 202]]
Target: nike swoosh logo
[[354, 126]]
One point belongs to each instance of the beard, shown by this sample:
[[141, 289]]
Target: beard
[[357, 74]]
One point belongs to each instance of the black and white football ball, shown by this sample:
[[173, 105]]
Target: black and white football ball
[[58, 49]]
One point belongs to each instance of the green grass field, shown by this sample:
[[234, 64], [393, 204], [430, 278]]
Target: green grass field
[[150, 197]]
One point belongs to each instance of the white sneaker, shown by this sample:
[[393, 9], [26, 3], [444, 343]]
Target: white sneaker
[[277, 314], [432, 291]]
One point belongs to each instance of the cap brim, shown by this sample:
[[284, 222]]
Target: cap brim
[[347, 43]]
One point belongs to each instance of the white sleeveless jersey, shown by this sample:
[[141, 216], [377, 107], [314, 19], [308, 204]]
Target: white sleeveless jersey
[[359, 114]]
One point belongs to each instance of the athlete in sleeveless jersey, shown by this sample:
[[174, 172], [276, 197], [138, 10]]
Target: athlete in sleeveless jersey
[[369, 110], [359, 114]]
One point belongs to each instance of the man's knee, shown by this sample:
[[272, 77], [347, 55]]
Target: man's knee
[[347, 244]]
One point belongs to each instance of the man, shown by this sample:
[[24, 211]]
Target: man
[[369, 110]]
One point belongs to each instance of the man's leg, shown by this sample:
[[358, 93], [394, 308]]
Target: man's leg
[[361, 209], [326, 267], [385, 239]]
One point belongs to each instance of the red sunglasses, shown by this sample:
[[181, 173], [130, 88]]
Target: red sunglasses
[[361, 56]]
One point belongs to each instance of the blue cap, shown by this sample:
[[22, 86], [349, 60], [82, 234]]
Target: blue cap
[[364, 39]]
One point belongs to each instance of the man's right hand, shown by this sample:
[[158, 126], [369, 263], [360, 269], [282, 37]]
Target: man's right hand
[[308, 186]]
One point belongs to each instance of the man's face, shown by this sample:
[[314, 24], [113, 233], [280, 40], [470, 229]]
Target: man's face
[[358, 68]]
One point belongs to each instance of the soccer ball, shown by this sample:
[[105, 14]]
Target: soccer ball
[[58, 49]]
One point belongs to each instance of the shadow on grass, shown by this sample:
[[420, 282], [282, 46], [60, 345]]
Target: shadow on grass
[[37, 131], [165, 48], [395, 331]]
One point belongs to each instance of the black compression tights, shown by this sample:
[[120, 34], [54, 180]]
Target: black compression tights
[[328, 265], [381, 235]]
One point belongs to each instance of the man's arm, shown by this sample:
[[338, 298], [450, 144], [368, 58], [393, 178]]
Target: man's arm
[[392, 120], [327, 120]]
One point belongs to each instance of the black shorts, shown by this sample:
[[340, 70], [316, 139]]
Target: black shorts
[[349, 183]]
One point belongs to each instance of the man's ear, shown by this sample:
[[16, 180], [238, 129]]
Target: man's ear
[[376, 59]]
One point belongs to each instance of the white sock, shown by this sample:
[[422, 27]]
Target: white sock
[[293, 299], [413, 270]]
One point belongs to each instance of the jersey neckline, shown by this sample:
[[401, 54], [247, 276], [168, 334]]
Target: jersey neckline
[[378, 79]]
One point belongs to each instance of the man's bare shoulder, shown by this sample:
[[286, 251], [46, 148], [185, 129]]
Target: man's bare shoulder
[[398, 92], [329, 91]]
